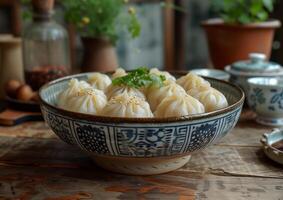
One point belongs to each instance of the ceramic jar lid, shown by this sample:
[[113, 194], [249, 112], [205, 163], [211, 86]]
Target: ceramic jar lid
[[256, 63], [256, 66]]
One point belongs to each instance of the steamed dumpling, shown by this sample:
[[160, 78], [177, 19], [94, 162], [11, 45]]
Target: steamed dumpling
[[179, 105], [156, 94], [211, 98], [119, 73], [127, 106], [191, 81], [99, 81], [74, 86], [115, 90], [90, 101], [167, 75]]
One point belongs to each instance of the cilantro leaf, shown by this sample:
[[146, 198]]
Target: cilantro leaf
[[139, 78]]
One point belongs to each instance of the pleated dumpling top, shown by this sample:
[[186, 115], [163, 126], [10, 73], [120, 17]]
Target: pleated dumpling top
[[119, 73], [178, 105], [89, 101], [99, 81], [74, 86], [211, 98], [156, 94], [191, 81], [115, 90], [167, 75], [127, 106]]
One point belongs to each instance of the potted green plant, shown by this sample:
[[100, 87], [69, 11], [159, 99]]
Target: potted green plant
[[243, 27], [98, 23]]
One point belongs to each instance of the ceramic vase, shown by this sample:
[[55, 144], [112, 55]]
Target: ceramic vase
[[11, 64], [99, 55]]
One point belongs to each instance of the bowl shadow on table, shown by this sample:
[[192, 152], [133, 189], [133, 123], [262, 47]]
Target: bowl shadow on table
[[248, 119], [267, 161], [53, 155], [46, 153]]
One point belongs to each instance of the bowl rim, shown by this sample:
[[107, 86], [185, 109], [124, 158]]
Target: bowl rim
[[122, 120], [218, 73], [252, 79]]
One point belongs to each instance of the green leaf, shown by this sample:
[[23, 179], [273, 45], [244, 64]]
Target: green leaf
[[134, 26], [244, 19], [243, 11], [268, 4], [25, 1], [139, 78], [107, 18], [26, 15], [173, 6], [256, 8], [262, 16]]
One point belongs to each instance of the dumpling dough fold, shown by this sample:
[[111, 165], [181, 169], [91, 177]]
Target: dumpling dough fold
[[179, 105]]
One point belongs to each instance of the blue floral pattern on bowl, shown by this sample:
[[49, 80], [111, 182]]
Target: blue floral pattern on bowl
[[256, 98], [266, 99], [139, 140], [276, 101]]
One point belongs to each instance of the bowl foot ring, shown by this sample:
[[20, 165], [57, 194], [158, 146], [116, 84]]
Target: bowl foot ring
[[277, 122], [141, 166]]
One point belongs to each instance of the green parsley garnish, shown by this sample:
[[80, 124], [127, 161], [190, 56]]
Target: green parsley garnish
[[139, 78]]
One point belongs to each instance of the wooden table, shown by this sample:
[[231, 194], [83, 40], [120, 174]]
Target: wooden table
[[34, 164]]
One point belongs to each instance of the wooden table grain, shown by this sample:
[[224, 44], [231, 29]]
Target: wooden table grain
[[35, 164]]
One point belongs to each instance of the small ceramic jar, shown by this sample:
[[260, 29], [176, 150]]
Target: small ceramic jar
[[241, 71], [265, 98]]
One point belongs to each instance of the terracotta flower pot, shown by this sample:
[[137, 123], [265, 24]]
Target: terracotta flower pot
[[99, 55], [229, 43], [42, 6]]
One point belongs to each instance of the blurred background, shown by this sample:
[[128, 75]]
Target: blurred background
[[169, 37], [43, 40]]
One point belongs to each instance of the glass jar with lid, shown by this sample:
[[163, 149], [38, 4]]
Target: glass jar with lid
[[45, 47]]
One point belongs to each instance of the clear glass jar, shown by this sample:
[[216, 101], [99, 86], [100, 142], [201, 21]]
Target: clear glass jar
[[45, 51]]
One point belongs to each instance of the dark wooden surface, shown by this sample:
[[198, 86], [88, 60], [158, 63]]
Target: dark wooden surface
[[34, 164]]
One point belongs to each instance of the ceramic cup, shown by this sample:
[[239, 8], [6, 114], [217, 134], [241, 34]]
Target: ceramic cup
[[265, 98]]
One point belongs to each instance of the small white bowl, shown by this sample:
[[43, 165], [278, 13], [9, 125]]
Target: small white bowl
[[265, 97], [272, 145], [212, 73]]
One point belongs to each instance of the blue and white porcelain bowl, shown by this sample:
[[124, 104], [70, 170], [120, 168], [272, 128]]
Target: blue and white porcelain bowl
[[265, 98], [140, 145]]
